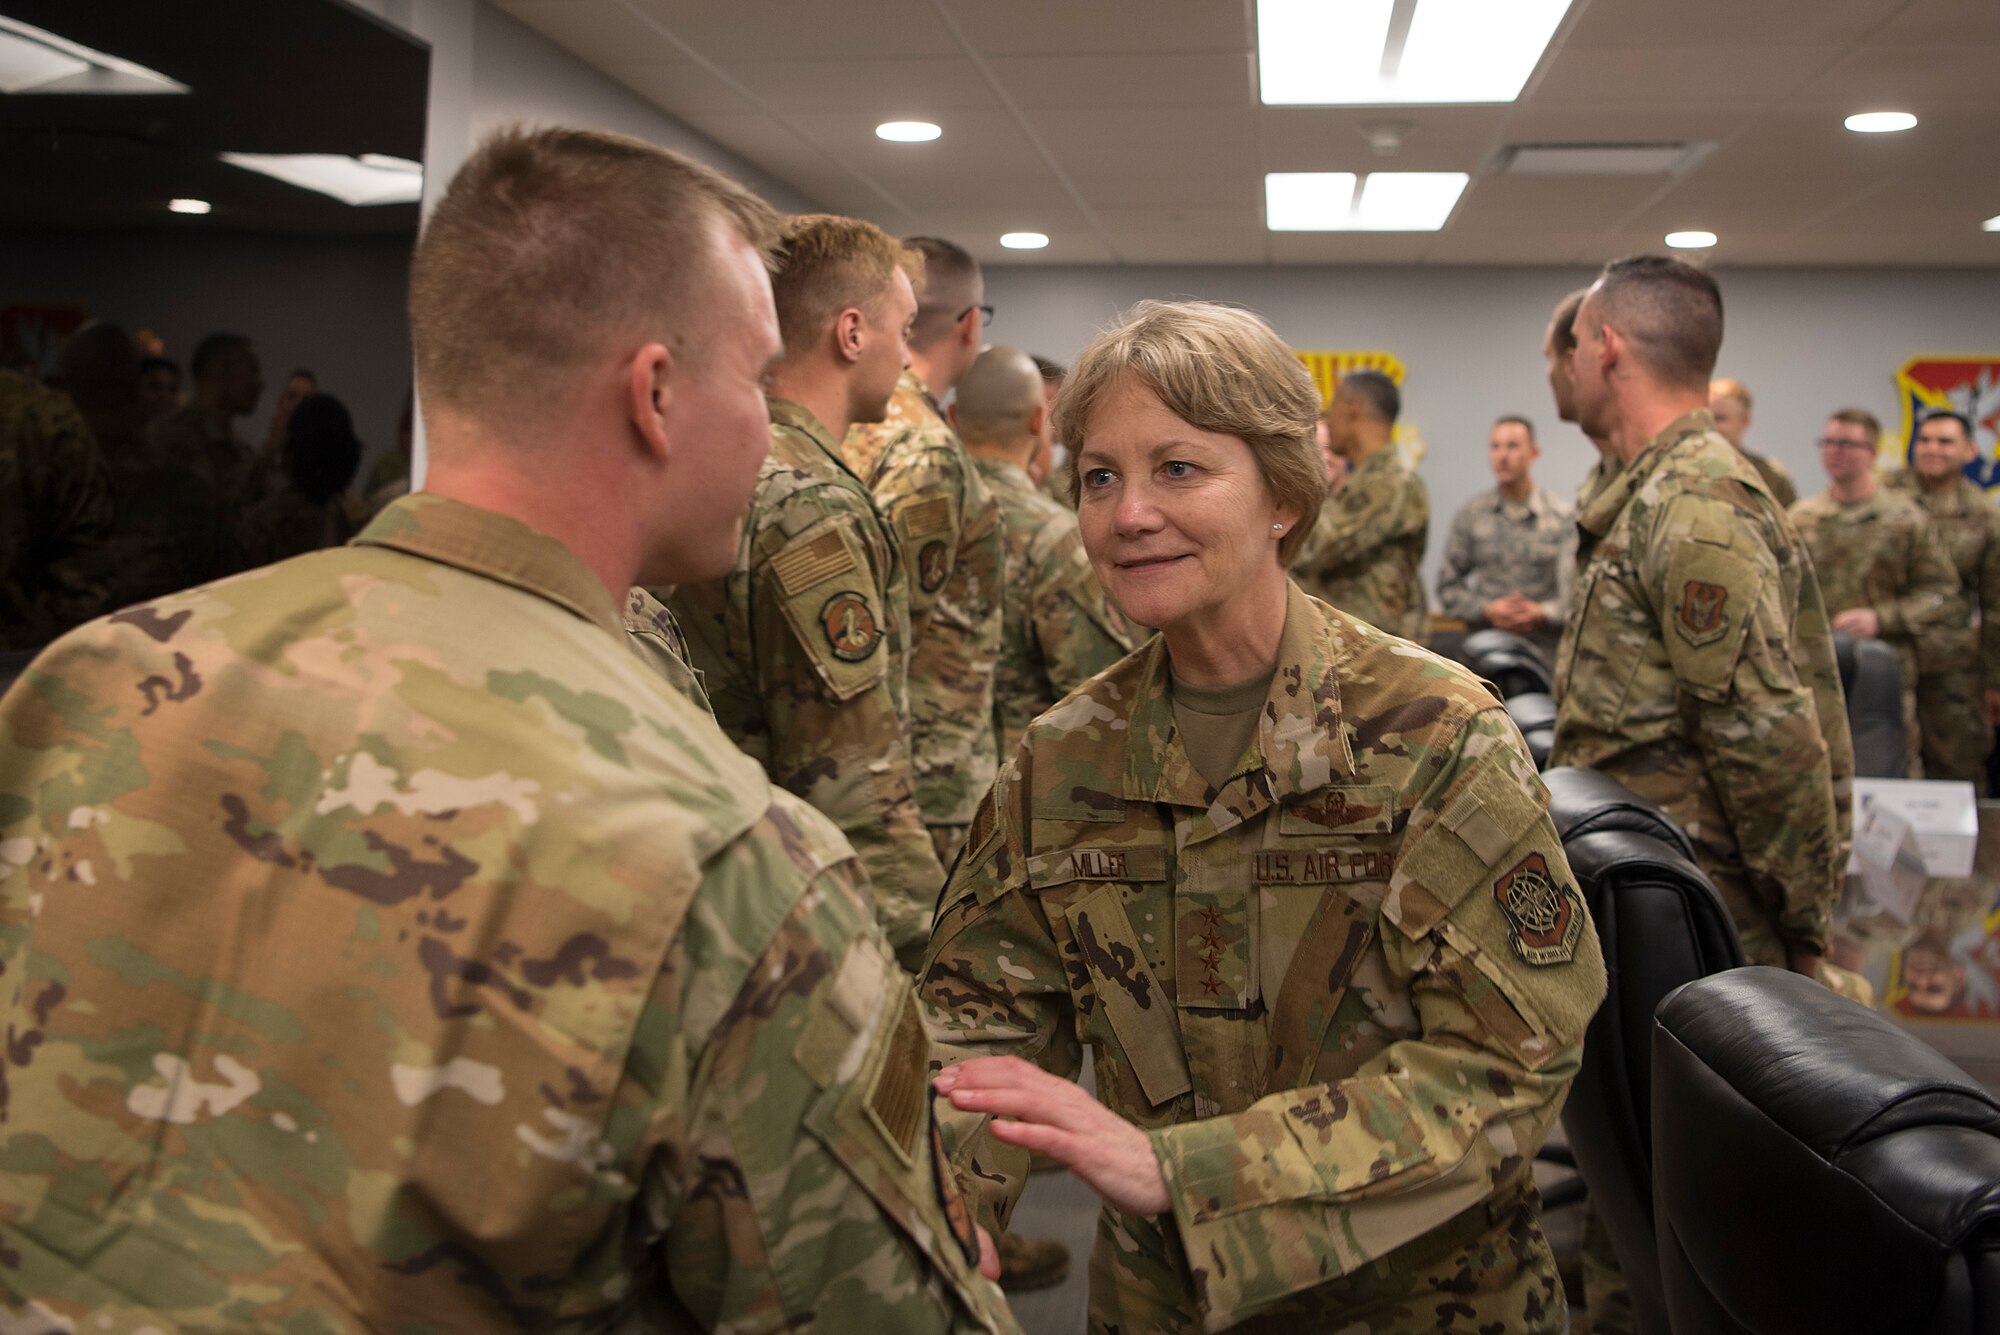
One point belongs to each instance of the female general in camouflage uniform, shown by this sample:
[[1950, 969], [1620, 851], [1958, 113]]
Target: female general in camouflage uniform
[[1289, 877]]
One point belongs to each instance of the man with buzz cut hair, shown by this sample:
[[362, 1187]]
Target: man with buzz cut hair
[[1731, 403], [1701, 672], [1958, 668], [1058, 630], [944, 519], [201, 433], [393, 948], [1365, 552], [805, 643], [1883, 571], [1503, 563], [1698, 668]]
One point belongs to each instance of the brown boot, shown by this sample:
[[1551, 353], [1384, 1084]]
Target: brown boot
[[1027, 1264]]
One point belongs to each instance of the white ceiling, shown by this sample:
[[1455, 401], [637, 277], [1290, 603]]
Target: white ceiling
[[1130, 130]]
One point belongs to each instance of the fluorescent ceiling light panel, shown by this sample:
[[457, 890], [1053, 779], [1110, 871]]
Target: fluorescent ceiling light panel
[[1690, 240], [190, 206], [1024, 240], [1343, 202], [1308, 201], [1400, 52], [907, 132], [1991, 224], [36, 61], [372, 178]]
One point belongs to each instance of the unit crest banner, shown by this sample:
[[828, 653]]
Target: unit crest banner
[[1969, 385]]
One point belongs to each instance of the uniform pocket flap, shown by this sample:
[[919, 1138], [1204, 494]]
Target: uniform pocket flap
[[831, 602], [1484, 816], [1139, 1011]]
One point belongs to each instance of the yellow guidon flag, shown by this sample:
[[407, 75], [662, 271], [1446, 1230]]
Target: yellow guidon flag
[[1328, 367]]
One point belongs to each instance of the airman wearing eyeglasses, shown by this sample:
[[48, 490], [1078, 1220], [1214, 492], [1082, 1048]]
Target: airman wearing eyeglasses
[[1882, 568]]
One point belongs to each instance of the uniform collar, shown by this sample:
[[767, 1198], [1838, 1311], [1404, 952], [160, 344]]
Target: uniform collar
[[1386, 459], [438, 528], [1536, 505], [1300, 746], [910, 380], [1002, 472], [1604, 507]]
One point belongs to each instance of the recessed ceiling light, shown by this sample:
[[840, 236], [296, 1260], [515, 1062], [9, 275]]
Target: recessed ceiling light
[[1690, 240], [1382, 52], [1345, 202], [372, 178], [907, 132], [1024, 240], [187, 206], [1880, 122], [1991, 224], [35, 61]]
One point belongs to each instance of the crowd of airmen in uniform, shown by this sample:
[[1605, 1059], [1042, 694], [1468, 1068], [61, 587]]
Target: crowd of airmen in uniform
[[510, 918]]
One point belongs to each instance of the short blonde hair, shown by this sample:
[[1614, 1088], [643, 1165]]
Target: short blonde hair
[[825, 264], [1860, 417], [1725, 388], [547, 245], [1219, 369]]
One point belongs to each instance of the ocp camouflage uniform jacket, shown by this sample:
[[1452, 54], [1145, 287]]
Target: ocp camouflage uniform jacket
[[387, 948], [55, 515], [222, 459], [1366, 550], [1697, 669], [948, 527], [1883, 554], [1345, 994], [1058, 630], [804, 649], [1968, 524], [1499, 547]]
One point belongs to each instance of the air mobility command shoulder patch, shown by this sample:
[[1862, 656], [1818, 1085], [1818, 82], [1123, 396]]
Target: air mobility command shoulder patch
[[851, 630], [1544, 916], [1701, 618]]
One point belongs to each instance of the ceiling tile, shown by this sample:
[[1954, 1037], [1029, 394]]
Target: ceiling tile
[[914, 89], [728, 30], [1093, 27], [1207, 79]]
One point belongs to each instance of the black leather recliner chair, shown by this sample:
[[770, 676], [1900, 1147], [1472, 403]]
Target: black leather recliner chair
[[1534, 713], [1661, 925], [1872, 677], [1818, 1168], [1511, 662]]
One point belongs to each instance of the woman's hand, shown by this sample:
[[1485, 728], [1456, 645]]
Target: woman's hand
[[1061, 1120]]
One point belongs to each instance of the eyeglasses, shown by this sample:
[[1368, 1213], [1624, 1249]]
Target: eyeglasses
[[985, 313], [1836, 443]]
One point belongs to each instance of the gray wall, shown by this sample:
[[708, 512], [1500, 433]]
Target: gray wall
[[1805, 341]]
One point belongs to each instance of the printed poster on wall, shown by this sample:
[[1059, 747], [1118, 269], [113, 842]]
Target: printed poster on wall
[[1969, 385]]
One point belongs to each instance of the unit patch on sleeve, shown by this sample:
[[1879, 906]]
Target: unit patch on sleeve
[[1703, 614], [851, 630], [932, 567], [1544, 916]]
